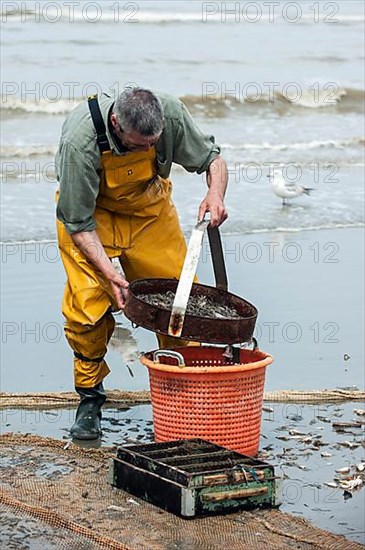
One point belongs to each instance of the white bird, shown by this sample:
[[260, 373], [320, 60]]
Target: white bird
[[286, 189]]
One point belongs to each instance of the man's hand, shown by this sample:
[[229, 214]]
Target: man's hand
[[89, 244], [217, 179], [213, 203], [119, 287]]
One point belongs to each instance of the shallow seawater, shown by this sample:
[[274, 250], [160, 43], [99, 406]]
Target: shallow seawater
[[310, 315], [303, 109]]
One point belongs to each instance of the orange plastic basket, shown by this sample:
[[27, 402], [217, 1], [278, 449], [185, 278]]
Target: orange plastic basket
[[209, 397]]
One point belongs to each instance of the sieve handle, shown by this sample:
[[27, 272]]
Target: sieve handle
[[177, 317], [169, 353], [219, 266]]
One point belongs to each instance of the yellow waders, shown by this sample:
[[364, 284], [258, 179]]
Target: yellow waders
[[137, 222]]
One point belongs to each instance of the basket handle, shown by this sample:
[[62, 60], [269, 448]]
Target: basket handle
[[169, 353], [253, 342], [219, 266]]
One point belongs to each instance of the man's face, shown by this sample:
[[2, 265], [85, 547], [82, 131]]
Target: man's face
[[132, 140]]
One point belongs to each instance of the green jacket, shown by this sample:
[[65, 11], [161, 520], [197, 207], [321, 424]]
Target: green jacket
[[78, 156]]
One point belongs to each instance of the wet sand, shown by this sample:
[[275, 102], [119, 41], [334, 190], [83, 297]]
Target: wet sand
[[300, 464]]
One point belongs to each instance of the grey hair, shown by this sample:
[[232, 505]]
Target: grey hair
[[139, 110]]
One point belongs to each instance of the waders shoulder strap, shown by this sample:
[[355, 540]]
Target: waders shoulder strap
[[101, 138]]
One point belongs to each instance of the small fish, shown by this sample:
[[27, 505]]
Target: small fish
[[360, 467], [344, 470], [265, 455], [132, 501], [318, 443], [359, 412], [268, 409], [323, 418], [342, 477], [325, 455], [306, 440], [342, 425], [352, 484], [296, 432], [295, 417], [129, 370], [331, 484], [116, 508], [302, 467], [67, 445], [350, 444]]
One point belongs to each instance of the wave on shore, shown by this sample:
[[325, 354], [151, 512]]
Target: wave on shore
[[233, 229], [41, 150], [219, 104], [132, 13]]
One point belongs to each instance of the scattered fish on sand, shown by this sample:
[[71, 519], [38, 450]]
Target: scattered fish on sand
[[344, 470], [306, 439], [341, 425], [296, 432], [132, 501], [130, 370], [116, 508], [352, 484], [323, 418], [350, 444], [319, 443], [301, 466], [265, 455]]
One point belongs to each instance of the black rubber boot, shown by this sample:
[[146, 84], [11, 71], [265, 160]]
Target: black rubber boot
[[88, 415]]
